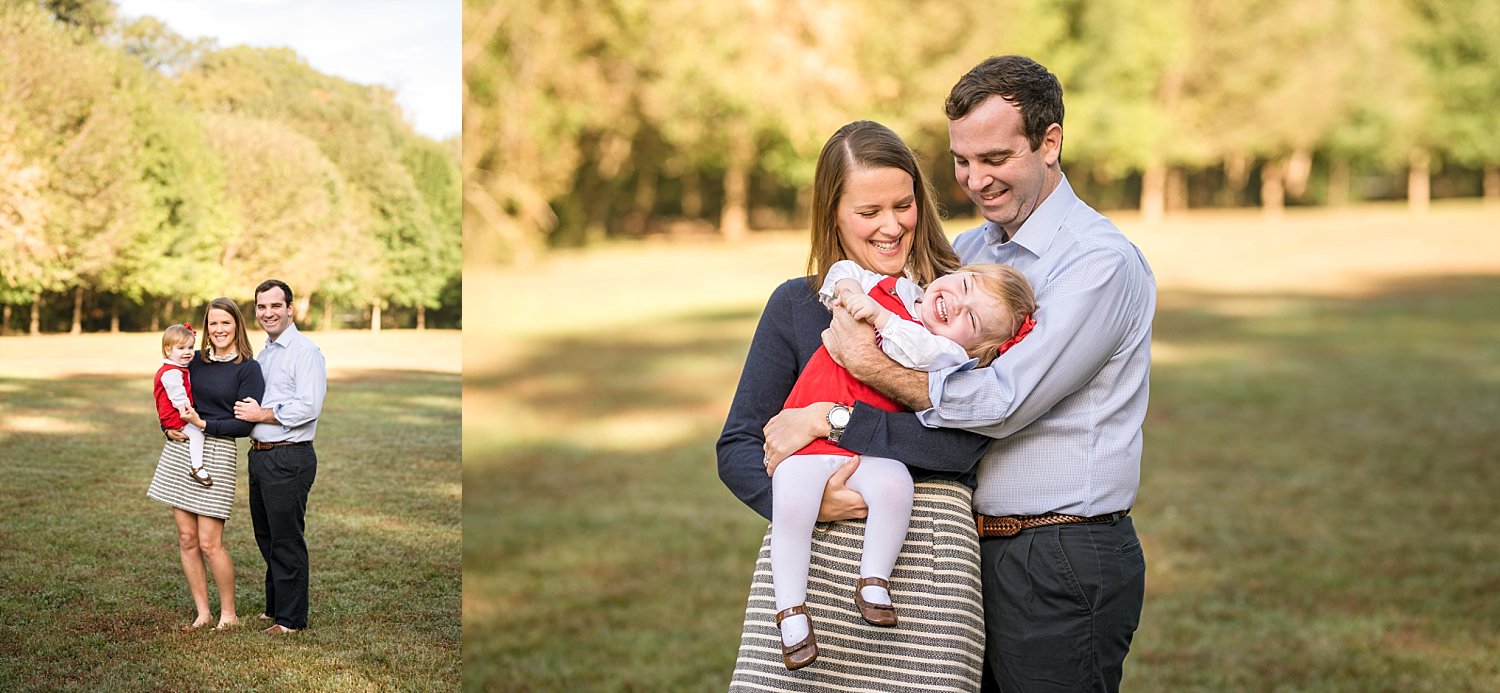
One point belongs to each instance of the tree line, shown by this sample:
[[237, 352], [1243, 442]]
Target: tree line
[[621, 118], [143, 173]]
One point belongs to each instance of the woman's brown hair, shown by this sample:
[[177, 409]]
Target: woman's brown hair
[[242, 348], [866, 144]]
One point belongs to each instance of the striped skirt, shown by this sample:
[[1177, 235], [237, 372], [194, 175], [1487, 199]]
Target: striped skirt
[[939, 643], [171, 484]]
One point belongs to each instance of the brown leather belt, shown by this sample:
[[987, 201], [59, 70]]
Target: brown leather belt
[[257, 445], [1011, 525]]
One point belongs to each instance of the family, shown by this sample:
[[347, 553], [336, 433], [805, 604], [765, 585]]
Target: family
[[977, 405], [207, 399]]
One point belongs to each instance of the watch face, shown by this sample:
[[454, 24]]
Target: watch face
[[839, 417]]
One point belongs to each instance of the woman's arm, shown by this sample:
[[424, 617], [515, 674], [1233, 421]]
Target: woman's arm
[[250, 383], [771, 368]]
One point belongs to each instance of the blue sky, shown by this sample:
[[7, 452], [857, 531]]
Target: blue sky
[[409, 46]]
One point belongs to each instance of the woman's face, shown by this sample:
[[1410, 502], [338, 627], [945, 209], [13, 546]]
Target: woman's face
[[876, 217], [221, 330]]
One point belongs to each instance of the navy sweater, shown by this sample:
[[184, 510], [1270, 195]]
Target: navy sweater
[[217, 386], [790, 331]]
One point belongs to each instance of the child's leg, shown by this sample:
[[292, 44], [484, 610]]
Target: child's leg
[[195, 444], [796, 493], [887, 487]]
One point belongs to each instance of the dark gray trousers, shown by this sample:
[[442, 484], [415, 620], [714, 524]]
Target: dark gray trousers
[[280, 479], [1061, 604]]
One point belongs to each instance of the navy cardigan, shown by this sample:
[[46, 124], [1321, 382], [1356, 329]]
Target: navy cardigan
[[790, 331]]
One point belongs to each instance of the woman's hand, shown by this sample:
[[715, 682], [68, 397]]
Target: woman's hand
[[792, 430], [839, 501], [177, 435]]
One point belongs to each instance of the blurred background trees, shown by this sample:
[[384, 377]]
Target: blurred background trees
[[626, 118], [143, 173]]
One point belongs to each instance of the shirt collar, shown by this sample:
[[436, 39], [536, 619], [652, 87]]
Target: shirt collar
[[288, 336], [1040, 229]]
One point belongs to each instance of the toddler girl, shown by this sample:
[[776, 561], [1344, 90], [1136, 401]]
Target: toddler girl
[[977, 312], [174, 396]]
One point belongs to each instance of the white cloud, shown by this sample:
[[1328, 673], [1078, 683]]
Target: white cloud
[[410, 47]]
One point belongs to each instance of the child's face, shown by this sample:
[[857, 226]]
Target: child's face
[[955, 307], [181, 353]]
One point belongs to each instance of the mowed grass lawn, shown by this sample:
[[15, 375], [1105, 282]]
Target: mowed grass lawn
[[1319, 492], [91, 587]]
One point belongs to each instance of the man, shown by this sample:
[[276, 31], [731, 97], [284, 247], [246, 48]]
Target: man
[[282, 461], [1063, 573]]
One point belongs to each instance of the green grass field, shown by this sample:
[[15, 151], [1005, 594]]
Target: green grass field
[[91, 588], [1319, 488]]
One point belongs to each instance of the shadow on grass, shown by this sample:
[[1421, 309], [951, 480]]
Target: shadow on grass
[[1316, 500], [93, 588]]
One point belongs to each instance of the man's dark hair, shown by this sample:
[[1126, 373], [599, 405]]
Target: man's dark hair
[[1020, 81], [269, 283]]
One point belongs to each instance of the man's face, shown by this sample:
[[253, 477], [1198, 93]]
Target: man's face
[[996, 165], [272, 311]]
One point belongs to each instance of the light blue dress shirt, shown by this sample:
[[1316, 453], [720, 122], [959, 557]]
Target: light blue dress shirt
[[296, 381], [1065, 404]]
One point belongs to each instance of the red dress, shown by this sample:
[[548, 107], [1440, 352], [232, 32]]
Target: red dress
[[170, 417], [823, 380]]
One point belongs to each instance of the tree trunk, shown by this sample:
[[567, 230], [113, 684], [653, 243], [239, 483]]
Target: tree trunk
[[639, 219], [1273, 188], [36, 314], [1153, 193], [1298, 172], [1492, 185], [692, 194], [734, 219], [421, 317], [1177, 190], [114, 315], [1236, 177], [375, 316], [327, 312], [4, 318], [303, 308], [155, 312], [1338, 182], [1419, 181], [77, 327]]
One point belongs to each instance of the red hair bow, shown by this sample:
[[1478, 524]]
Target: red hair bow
[[1020, 334], [189, 327]]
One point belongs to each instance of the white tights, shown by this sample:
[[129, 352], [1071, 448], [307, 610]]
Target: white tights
[[797, 491]]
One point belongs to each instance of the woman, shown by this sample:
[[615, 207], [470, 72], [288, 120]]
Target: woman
[[872, 205], [222, 372]]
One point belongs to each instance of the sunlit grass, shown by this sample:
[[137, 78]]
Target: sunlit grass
[[1316, 498], [91, 586]]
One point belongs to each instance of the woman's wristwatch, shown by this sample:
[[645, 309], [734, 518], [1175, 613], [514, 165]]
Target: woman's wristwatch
[[838, 419]]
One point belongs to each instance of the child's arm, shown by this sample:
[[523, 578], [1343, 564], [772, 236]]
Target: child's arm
[[860, 305], [850, 270], [911, 345]]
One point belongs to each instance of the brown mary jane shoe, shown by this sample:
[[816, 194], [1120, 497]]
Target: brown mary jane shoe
[[803, 653], [874, 614]]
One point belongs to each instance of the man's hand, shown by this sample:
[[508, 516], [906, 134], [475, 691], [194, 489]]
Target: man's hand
[[177, 435], [792, 429], [839, 501], [250, 410], [851, 343]]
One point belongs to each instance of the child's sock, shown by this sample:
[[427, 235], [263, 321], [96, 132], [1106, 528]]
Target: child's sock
[[875, 594], [794, 629]]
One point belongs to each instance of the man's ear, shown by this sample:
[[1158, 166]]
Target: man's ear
[[1052, 144]]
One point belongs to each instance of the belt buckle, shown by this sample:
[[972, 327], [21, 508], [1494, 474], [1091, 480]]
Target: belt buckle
[[1000, 526]]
